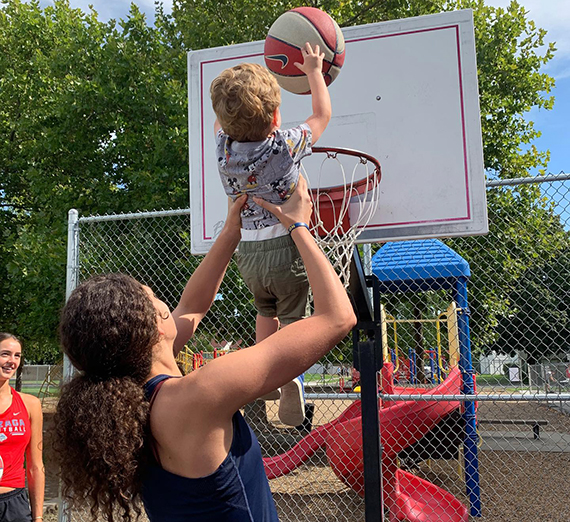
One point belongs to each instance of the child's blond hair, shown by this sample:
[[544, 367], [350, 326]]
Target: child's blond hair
[[244, 99]]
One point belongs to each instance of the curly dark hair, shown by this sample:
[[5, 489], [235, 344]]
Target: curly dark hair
[[108, 328]]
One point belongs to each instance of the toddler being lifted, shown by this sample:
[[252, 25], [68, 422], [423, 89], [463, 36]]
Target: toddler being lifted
[[256, 157]]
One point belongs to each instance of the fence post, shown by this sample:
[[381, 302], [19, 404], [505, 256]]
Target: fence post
[[72, 272], [71, 280]]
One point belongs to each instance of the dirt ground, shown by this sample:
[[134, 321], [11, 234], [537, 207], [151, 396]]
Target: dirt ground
[[530, 485]]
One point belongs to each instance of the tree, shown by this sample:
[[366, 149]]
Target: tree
[[92, 118], [201, 24], [511, 51], [525, 232], [539, 320]]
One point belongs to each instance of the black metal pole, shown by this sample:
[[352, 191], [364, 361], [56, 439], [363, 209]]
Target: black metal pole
[[368, 361], [371, 447]]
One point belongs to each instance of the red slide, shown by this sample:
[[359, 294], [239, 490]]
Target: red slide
[[408, 497], [286, 462]]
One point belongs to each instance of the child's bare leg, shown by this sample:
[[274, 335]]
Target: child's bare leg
[[264, 327], [292, 402]]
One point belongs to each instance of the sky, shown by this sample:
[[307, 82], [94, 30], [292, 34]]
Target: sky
[[552, 15]]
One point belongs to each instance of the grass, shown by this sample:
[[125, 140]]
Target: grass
[[34, 388], [494, 380], [322, 378]]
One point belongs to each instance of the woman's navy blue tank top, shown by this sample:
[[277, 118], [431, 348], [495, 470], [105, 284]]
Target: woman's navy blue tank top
[[238, 491]]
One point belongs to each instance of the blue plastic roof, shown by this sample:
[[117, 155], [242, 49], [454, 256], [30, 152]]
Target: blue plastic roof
[[411, 266]]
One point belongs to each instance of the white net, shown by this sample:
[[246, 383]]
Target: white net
[[341, 212]]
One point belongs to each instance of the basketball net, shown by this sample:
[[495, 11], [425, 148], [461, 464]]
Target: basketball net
[[341, 212]]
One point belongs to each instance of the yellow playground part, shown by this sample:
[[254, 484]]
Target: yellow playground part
[[449, 318], [453, 334], [189, 360]]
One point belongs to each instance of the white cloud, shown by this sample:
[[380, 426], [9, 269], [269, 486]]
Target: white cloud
[[564, 71]]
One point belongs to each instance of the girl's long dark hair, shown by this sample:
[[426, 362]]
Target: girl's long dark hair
[[108, 328]]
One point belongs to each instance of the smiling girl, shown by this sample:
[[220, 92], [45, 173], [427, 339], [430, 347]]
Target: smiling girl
[[20, 436]]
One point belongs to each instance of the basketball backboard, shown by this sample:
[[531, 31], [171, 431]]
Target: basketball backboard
[[407, 95]]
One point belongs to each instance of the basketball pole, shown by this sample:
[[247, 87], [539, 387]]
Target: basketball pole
[[368, 360]]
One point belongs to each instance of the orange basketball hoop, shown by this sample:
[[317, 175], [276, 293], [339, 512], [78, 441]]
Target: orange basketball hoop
[[341, 212], [331, 204]]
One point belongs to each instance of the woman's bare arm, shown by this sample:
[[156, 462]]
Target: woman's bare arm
[[203, 285], [229, 382]]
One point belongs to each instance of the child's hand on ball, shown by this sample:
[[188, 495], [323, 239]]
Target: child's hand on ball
[[312, 59]]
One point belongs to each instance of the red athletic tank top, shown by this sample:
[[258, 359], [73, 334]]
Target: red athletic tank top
[[15, 433]]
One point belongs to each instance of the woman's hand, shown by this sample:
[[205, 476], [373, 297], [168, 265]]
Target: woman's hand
[[233, 219], [297, 208]]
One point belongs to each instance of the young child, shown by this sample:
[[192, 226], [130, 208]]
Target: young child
[[257, 158]]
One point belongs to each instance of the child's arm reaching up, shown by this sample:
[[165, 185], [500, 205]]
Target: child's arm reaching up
[[312, 66]]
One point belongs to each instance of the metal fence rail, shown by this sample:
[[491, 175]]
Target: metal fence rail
[[519, 340]]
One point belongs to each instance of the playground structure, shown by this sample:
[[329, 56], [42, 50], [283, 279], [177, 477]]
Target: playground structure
[[405, 423], [409, 428], [416, 267], [406, 366]]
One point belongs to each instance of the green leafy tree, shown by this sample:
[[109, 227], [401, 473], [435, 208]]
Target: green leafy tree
[[202, 24], [92, 118], [511, 51], [525, 232], [538, 323]]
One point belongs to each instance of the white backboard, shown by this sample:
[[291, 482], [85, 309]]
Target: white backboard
[[407, 94]]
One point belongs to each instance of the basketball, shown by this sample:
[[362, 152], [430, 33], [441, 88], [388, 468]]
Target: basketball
[[288, 35]]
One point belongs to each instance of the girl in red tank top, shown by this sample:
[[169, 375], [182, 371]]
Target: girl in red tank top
[[20, 439]]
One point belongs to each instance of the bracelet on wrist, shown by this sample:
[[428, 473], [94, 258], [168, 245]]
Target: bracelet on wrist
[[297, 225]]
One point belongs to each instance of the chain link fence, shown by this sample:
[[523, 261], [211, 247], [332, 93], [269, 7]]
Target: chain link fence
[[517, 466]]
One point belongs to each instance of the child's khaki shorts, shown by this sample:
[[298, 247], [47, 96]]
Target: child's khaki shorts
[[274, 272]]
